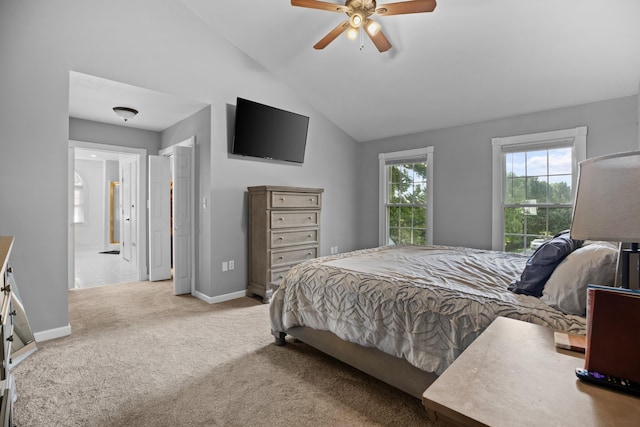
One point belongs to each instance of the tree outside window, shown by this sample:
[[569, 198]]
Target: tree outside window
[[406, 206], [534, 182]]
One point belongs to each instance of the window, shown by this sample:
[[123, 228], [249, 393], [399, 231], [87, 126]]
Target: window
[[534, 182], [406, 198]]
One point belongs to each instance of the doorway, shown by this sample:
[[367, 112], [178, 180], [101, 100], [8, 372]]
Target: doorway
[[111, 261], [106, 243], [172, 216]]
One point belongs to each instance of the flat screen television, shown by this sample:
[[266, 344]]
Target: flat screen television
[[269, 132]]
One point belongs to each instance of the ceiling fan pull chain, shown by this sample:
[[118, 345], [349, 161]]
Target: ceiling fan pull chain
[[361, 39]]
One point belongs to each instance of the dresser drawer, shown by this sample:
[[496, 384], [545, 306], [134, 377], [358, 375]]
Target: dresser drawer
[[278, 275], [282, 238], [294, 256], [294, 219], [295, 200]]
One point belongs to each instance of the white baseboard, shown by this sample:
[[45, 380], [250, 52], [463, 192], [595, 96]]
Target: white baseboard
[[50, 334], [220, 298]]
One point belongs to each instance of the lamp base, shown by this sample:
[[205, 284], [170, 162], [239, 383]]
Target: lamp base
[[626, 255]]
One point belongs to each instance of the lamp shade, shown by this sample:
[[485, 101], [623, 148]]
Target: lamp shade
[[607, 202]]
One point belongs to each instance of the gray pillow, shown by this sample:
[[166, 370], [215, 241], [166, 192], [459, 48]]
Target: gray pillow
[[593, 264], [541, 264]]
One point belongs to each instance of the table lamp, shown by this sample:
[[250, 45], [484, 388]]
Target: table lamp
[[607, 204]]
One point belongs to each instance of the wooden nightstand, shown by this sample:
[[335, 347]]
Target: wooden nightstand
[[513, 375]]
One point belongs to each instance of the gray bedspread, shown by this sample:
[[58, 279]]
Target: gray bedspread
[[424, 304]]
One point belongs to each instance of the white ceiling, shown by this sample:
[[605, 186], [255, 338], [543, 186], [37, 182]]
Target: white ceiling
[[468, 61], [93, 98]]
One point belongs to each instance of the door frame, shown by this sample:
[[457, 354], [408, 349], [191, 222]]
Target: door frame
[[141, 236], [168, 151]]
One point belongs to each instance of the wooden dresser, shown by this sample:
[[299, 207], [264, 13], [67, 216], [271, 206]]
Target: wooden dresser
[[284, 230], [6, 335]]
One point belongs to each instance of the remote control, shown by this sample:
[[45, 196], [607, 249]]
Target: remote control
[[604, 380]]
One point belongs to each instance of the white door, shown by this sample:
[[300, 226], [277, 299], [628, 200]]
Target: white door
[[129, 185], [182, 206], [159, 218]]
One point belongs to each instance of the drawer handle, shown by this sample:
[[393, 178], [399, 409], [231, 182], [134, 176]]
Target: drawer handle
[[280, 238], [280, 219], [310, 218], [309, 235], [282, 198], [10, 339], [280, 257], [309, 253]]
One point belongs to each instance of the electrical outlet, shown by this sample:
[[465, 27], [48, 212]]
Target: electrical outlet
[[225, 266], [335, 249], [232, 264]]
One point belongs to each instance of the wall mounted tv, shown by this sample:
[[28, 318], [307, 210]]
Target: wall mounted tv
[[269, 132]]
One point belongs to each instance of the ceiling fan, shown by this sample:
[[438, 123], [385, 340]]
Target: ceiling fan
[[359, 12]]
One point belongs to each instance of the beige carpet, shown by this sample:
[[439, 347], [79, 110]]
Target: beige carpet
[[139, 356]]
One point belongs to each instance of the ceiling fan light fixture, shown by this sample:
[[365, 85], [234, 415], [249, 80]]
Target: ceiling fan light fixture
[[125, 113], [356, 20], [352, 33], [372, 27]]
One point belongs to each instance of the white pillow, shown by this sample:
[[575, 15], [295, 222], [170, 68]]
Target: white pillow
[[593, 264]]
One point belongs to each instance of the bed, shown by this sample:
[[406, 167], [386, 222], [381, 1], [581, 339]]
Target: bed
[[403, 314]]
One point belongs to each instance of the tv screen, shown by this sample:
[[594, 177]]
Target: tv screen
[[269, 132]]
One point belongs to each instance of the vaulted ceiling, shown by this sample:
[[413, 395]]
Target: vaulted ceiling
[[468, 61]]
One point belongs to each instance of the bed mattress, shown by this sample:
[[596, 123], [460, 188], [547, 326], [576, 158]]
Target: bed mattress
[[423, 304]]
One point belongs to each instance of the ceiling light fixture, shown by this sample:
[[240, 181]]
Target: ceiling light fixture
[[125, 113], [372, 27], [352, 33], [356, 20], [359, 12]]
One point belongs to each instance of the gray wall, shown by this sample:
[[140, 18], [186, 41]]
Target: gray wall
[[103, 133], [463, 164], [172, 52]]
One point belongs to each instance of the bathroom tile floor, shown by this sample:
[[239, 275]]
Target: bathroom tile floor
[[96, 269]]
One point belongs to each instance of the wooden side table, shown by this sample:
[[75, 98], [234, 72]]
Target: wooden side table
[[513, 375]]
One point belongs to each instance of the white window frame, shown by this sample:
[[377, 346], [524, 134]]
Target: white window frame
[[576, 137], [411, 156]]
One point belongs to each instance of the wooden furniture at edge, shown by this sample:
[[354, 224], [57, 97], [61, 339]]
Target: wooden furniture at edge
[[513, 375], [284, 230], [6, 335]]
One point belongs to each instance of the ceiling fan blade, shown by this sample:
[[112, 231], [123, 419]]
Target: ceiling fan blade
[[339, 29], [322, 5], [377, 36], [414, 6]]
